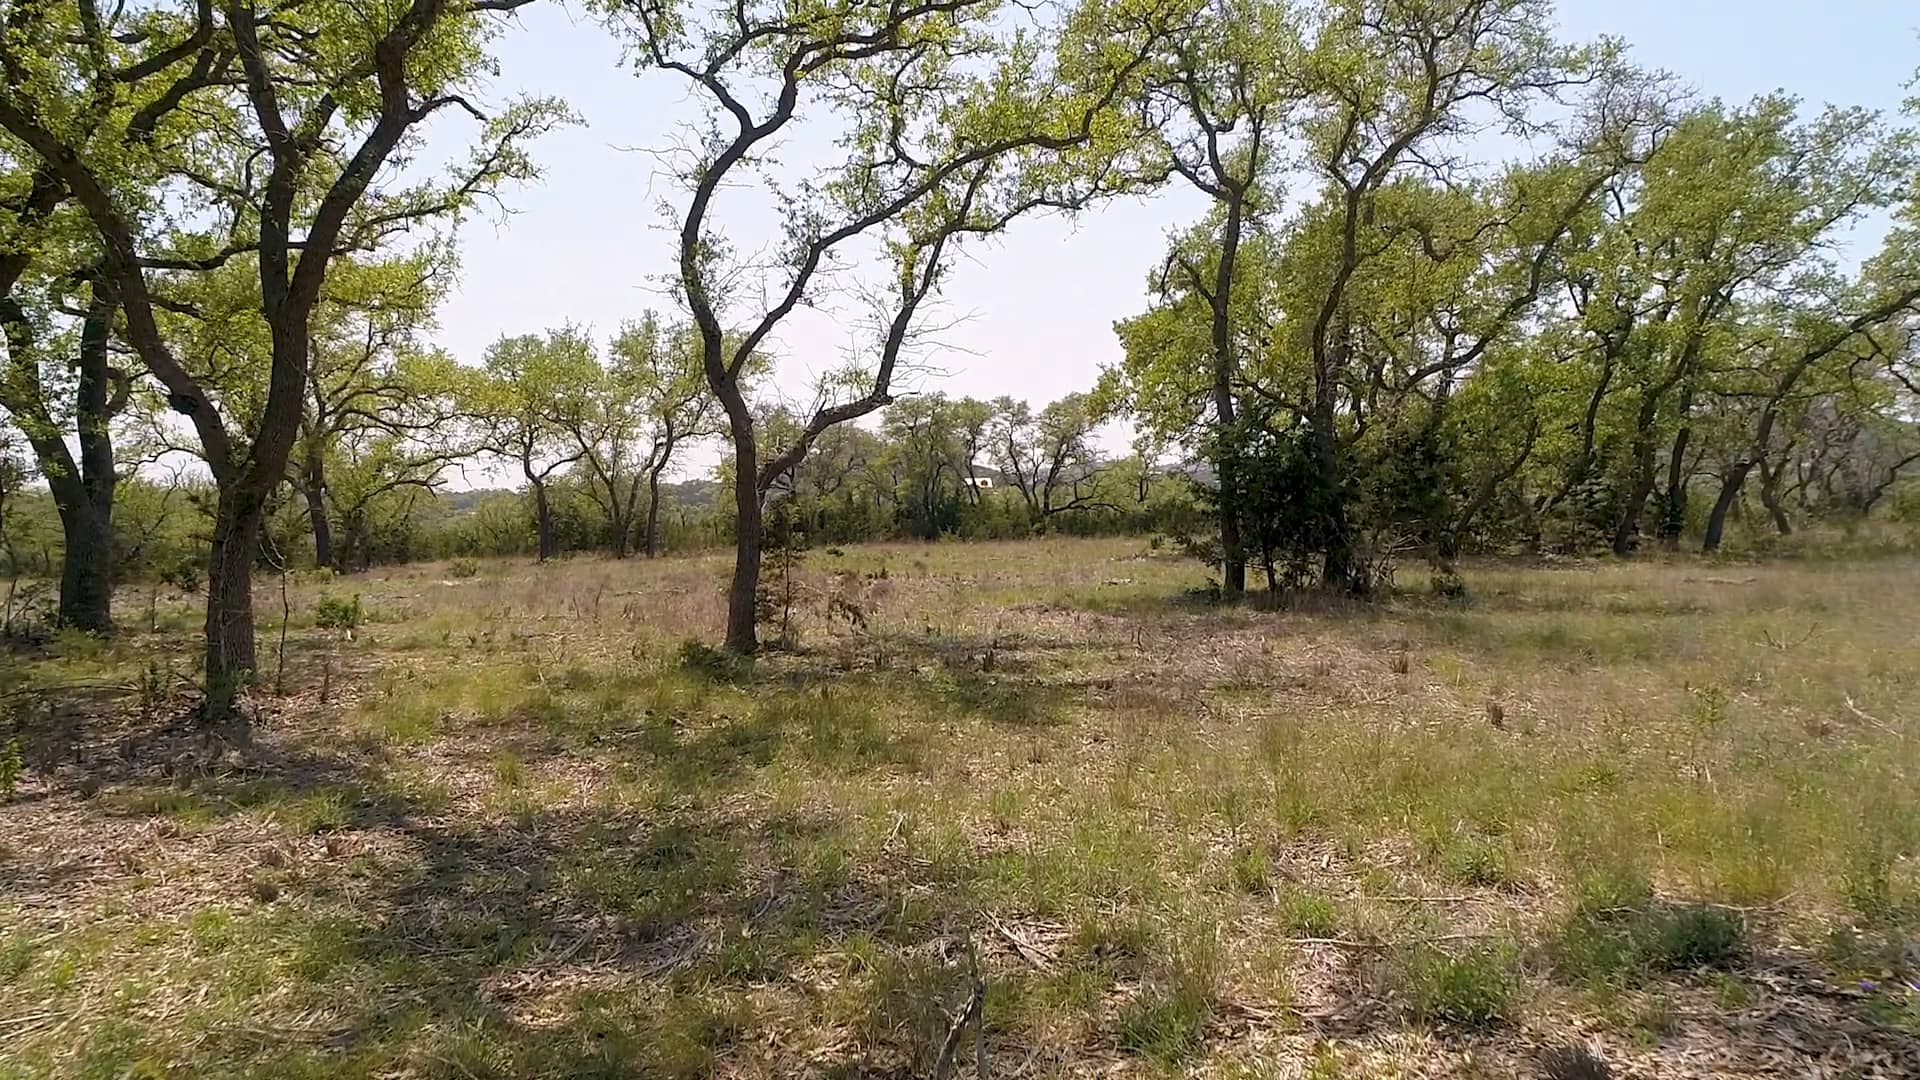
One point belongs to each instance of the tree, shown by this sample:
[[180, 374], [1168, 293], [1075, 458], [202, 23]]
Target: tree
[[329, 94], [949, 132], [1218, 96], [1389, 88], [649, 403], [376, 396], [536, 391], [1049, 457], [94, 390]]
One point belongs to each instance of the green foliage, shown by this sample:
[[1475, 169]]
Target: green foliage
[[338, 613]]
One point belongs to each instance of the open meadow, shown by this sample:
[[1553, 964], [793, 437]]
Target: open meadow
[[503, 820]]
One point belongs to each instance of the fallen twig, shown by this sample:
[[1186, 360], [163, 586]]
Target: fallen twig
[[1871, 719], [1351, 943], [1027, 950]]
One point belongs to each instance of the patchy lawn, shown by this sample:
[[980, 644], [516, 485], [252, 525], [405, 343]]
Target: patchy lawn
[[511, 825]]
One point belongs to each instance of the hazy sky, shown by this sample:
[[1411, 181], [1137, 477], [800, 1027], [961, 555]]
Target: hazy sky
[[1037, 306]]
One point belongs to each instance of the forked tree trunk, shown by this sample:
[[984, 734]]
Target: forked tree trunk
[[1770, 498]]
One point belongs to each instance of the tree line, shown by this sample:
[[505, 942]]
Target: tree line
[[215, 245]]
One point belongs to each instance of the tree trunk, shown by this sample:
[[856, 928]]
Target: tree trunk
[[1233, 557], [82, 488], [653, 514], [1674, 520], [1642, 480], [86, 574], [543, 520], [621, 525], [1730, 483], [1628, 526], [316, 492], [742, 637], [230, 659], [1336, 570]]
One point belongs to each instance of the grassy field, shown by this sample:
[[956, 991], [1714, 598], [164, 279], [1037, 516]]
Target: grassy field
[[511, 824]]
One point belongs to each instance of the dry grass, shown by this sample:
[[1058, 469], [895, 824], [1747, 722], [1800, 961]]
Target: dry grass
[[509, 828]]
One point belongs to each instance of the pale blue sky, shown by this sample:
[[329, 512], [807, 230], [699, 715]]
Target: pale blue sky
[[587, 244]]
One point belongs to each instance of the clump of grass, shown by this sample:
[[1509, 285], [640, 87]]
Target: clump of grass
[[1116, 943], [1467, 857], [716, 665], [16, 956], [1693, 936], [508, 770], [837, 727], [408, 718], [1250, 869], [313, 812], [1618, 933], [1167, 1020], [1477, 987], [1308, 913]]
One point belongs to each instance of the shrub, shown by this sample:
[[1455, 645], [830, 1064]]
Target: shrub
[[184, 573], [333, 613]]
